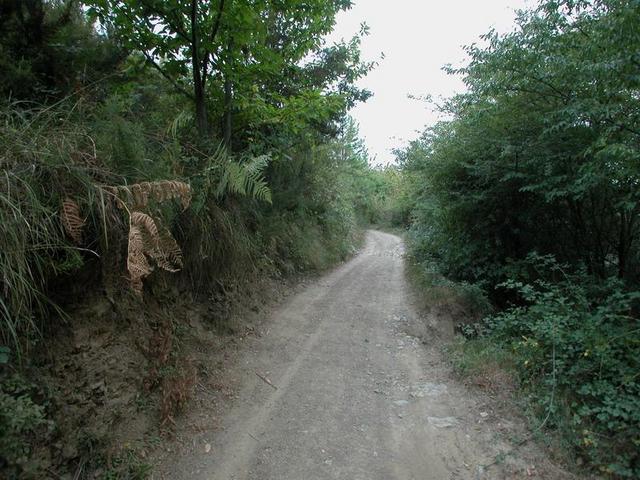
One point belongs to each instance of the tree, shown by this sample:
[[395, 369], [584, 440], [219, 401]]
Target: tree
[[217, 48], [47, 49], [541, 153], [178, 38]]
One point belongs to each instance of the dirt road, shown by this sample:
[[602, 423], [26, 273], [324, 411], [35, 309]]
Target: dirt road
[[357, 392]]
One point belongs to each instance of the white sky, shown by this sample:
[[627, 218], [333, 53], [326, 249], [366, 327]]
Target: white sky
[[417, 37]]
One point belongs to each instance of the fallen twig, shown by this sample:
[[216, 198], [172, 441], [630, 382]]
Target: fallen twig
[[266, 380], [205, 389]]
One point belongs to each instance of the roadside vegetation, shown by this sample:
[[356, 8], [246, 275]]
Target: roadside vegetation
[[152, 151], [527, 195]]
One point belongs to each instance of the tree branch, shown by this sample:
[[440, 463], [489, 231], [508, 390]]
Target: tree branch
[[216, 25], [214, 33], [177, 27], [155, 65], [175, 84]]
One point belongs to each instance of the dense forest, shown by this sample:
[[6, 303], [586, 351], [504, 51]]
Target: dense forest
[[151, 150], [526, 199]]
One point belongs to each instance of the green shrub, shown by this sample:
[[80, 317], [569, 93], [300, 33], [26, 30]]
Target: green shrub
[[577, 346], [22, 423], [479, 356]]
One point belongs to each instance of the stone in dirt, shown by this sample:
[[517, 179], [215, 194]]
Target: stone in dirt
[[427, 390], [443, 422]]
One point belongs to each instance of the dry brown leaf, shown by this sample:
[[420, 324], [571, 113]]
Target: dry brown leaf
[[144, 221], [167, 254], [137, 196], [147, 241], [72, 222], [137, 263]]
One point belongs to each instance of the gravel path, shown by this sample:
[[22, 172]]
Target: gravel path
[[338, 387]]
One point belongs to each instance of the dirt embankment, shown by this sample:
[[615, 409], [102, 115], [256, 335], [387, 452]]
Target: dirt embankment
[[114, 378]]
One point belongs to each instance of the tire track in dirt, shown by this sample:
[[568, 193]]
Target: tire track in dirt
[[356, 396]]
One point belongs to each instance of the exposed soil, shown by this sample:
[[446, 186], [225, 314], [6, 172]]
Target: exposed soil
[[106, 373], [344, 380]]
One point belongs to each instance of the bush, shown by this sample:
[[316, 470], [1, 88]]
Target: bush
[[577, 347], [21, 420], [540, 155]]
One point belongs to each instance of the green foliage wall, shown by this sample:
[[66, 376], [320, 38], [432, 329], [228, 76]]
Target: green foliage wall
[[540, 159]]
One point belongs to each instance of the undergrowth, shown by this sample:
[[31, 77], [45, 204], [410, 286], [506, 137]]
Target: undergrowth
[[437, 292], [42, 157], [571, 347], [527, 191]]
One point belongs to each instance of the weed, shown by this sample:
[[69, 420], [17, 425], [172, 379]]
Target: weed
[[483, 363], [23, 424], [126, 465]]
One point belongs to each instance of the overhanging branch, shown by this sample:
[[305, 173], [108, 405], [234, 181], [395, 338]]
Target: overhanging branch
[[175, 84]]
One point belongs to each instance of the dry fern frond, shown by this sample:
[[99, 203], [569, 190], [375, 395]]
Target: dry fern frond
[[144, 221], [137, 263], [167, 254], [72, 222], [138, 195], [147, 241]]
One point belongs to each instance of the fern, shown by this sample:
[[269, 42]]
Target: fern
[[148, 239], [138, 195], [71, 220], [183, 119], [137, 263], [245, 178]]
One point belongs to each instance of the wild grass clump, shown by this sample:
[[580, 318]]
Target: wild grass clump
[[435, 291], [43, 157], [483, 363]]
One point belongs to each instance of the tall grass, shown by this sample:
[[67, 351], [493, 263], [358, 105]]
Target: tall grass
[[232, 235], [43, 157]]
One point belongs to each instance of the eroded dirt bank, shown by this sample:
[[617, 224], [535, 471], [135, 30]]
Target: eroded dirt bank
[[344, 382]]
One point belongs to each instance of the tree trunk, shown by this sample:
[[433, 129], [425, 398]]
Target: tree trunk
[[226, 120], [202, 123], [624, 245]]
